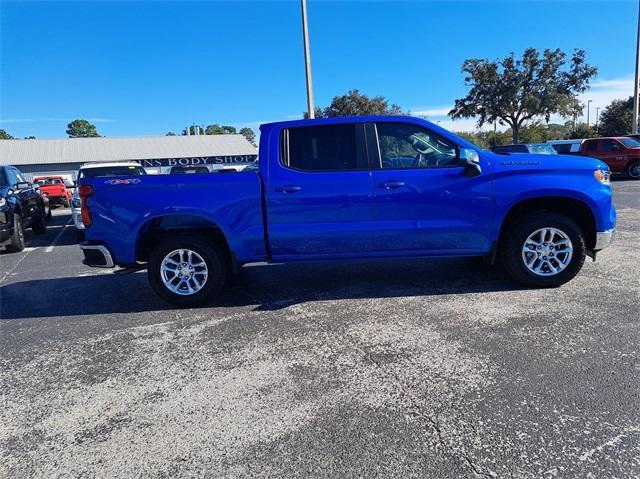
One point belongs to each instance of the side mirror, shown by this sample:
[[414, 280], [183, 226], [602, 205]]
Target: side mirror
[[471, 161]]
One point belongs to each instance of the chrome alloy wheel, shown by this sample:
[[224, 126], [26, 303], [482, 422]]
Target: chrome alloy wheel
[[184, 272], [547, 251], [634, 171]]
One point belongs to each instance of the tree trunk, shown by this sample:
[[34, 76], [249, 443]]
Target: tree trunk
[[515, 130]]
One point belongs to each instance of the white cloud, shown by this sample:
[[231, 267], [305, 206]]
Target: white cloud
[[441, 111]]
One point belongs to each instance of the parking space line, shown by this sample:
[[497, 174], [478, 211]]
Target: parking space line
[[49, 248], [14, 267]]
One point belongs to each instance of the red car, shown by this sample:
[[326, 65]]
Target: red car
[[55, 188], [622, 153]]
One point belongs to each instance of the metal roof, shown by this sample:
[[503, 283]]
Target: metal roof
[[81, 150]]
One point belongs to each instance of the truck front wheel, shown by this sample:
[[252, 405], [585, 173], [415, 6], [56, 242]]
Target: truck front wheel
[[187, 270], [543, 249]]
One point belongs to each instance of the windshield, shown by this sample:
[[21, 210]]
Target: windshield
[[630, 142], [107, 171], [542, 149], [49, 181]]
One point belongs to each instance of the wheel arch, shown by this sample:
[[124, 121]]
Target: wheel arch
[[573, 208], [162, 225]]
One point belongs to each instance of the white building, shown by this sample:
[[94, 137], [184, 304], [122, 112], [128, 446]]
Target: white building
[[155, 154]]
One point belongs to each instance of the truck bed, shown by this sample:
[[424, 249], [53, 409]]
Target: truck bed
[[123, 208]]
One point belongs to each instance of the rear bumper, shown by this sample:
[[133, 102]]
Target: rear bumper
[[57, 199], [77, 218], [604, 239], [97, 255]]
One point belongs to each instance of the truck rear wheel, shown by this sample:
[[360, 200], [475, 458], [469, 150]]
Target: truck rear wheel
[[187, 269], [39, 226], [543, 249]]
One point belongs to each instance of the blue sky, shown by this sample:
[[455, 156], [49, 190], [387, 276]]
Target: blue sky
[[146, 68]]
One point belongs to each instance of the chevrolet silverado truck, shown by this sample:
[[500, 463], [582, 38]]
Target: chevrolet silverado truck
[[361, 187]]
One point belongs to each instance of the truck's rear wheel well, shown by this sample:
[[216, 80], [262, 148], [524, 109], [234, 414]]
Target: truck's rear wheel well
[[572, 208], [163, 226]]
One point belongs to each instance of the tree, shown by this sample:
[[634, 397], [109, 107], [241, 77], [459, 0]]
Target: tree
[[514, 91], [355, 103], [170, 133], [5, 136], [582, 130], [534, 133], [616, 118], [249, 134], [30, 137], [81, 129], [216, 129]]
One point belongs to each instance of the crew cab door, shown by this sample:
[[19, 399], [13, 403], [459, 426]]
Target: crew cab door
[[319, 193], [613, 153], [423, 198]]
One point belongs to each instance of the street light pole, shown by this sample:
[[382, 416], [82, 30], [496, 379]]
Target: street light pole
[[636, 93], [597, 116], [588, 106], [307, 60]]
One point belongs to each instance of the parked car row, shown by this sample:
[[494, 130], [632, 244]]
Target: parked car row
[[621, 154]]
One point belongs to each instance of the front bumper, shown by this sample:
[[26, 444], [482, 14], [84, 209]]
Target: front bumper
[[604, 239]]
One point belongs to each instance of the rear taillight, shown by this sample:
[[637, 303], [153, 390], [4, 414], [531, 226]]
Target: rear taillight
[[85, 191]]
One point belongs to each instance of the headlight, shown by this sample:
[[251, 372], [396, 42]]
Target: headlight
[[3, 201], [603, 176]]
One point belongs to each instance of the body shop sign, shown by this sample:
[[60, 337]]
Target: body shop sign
[[200, 160]]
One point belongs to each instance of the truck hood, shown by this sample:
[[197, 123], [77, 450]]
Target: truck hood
[[547, 162]]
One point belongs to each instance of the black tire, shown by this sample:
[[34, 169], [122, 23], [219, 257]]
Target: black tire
[[16, 243], [49, 213], [213, 255], [511, 245], [633, 170], [65, 202], [39, 225]]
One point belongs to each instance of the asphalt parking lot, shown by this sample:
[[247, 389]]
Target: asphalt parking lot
[[417, 368]]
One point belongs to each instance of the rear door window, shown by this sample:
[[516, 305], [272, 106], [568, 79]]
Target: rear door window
[[323, 148], [592, 146], [610, 145]]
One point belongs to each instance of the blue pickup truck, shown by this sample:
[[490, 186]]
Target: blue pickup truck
[[358, 187]]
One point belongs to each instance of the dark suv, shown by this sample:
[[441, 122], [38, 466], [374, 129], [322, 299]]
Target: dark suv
[[21, 206]]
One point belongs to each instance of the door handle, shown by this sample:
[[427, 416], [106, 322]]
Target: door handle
[[288, 189], [392, 184]]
